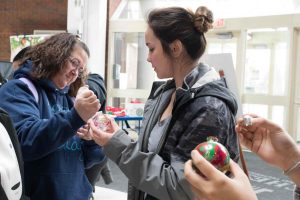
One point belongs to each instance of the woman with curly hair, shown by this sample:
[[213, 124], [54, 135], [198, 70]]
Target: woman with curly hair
[[179, 114], [48, 120]]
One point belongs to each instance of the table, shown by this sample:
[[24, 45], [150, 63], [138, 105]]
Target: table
[[125, 119]]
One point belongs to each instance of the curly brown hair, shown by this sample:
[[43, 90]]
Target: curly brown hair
[[50, 56]]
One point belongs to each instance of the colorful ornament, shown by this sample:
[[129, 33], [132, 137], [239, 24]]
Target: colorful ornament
[[215, 153], [101, 122]]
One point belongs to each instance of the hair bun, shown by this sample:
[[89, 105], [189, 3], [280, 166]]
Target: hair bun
[[203, 19]]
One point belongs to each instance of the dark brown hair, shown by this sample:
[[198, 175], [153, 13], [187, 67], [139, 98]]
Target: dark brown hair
[[170, 24], [50, 56]]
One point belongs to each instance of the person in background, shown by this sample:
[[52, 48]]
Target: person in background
[[264, 138], [2, 80], [14, 65], [55, 157], [96, 84], [17, 60], [179, 114]]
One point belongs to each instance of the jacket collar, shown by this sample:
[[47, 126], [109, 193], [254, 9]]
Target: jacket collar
[[199, 76]]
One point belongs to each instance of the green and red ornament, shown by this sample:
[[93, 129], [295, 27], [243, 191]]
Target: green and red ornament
[[215, 153]]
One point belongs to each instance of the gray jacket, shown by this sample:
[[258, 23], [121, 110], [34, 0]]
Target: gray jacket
[[203, 107]]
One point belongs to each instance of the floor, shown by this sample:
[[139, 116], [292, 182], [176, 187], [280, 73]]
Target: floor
[[268, 182], [102, 193]]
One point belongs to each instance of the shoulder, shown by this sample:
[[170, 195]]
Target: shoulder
[[14, 88], [10, 84], [13, 83], [209, 104], [216, 95], [95, 78], [207, 110], [95, 82]]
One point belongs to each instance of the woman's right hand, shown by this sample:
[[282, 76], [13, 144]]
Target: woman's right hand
[[102, 137], [86, 103]]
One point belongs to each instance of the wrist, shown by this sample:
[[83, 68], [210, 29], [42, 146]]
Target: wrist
[[292, 169], [295, 177], [291, 160]]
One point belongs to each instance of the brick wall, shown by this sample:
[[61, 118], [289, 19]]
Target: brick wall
[[19, 17]]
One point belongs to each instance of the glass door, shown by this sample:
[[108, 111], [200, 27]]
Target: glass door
[[131, 76], [223, 42], [266, 74], [296, 85]]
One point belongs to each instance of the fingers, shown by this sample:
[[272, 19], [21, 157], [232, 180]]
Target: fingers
[[91, 98], [87, 94], [86, 106], [264, 123], [200, 184], [99, 136], [259, 122], [92, 126], [241, 120], [83, 136], [190, 174], [245, 136], [236, 170], [245, 141], [82, 90], [95, 132], [84, 133], [204, 166], [114, 124], [197, 193]]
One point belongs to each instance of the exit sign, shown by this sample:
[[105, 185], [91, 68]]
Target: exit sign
[[220, 23]]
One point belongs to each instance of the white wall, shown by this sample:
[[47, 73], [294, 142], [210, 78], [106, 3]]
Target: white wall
[[88, 19], [75, 20]]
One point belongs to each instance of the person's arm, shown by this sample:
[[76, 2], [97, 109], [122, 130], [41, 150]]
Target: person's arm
[[146, 171], [38, 137], [270, 142], [154, 175], [215, 185]]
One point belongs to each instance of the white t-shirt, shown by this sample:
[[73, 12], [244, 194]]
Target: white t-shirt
[[10, 176]]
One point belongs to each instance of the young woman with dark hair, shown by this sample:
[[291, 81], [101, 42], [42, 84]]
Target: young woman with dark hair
[[179, 114]]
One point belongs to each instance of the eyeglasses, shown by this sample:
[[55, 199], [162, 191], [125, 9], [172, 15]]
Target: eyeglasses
[[77, 65]]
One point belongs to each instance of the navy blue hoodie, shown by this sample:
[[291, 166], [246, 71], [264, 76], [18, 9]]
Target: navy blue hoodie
[[54, 157]]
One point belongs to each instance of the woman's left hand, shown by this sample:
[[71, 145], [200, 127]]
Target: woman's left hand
[[84, 132], [102, 137]]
